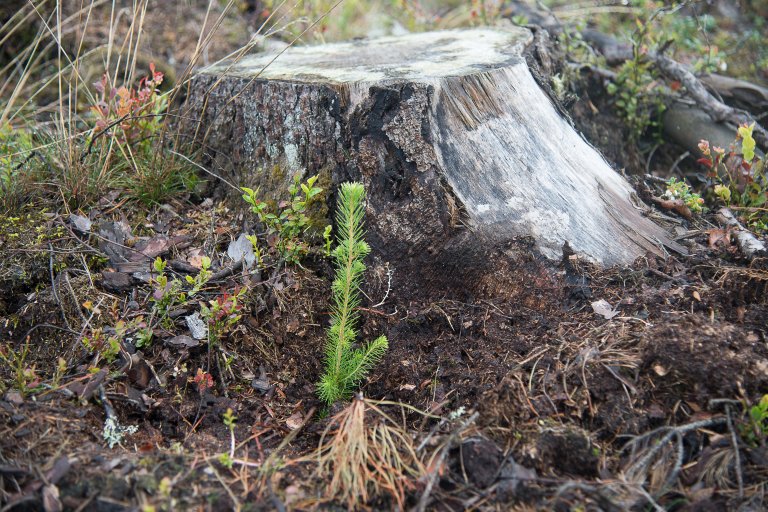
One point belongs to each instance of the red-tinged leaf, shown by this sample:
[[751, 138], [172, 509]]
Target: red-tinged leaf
[[704, 161]]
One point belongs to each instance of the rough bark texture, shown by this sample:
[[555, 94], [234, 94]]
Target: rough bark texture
[[458, 147]]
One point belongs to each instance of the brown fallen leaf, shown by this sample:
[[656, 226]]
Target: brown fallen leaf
[[295, 420], [719, 235], [676, 205], [51, 502]]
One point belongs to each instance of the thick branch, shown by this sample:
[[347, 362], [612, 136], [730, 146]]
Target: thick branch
[[718, 110]]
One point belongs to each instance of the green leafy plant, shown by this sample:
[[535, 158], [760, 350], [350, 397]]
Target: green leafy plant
[[201, 279], [739, 176], [132, 118], [638, 92], [345, 365], [328, 240], [167, 292], [104, 345], [16, 153], [222, 314], [25, 377], [289, 222], [681, 190], [755, 430]]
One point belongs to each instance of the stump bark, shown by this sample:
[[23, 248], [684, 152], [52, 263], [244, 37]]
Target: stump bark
[[457, 144]]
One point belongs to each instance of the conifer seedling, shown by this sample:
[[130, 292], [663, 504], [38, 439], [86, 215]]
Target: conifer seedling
[[345, 364]]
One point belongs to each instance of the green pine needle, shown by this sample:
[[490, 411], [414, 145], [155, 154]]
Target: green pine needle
[[345, 365]]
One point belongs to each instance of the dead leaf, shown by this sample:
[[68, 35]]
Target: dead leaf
[[183, 340], [676, 205], [604, 309], [719, 235], [14, 397], [295, 420], [197, 326], [80, 223], [195, 258], [139, 374], [293, 325], [242, 249], [51, 502], [293, 494], [151, 248]]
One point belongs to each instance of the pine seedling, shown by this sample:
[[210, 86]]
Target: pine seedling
[[345, 365]]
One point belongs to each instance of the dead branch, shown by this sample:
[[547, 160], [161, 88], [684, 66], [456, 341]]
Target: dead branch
[[717, 110], [749, 245]]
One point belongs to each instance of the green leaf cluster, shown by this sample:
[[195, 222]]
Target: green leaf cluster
[[755, 430], [290, 221], [345, 364]]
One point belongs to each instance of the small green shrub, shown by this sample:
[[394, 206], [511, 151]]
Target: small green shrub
[[290, 222], [681, 190], [755, 430], [167, 293], [638, 93], [107, 347], [126, 147], [25, 377], [129, 123], [346, 366], [738, 176], [222, 314]]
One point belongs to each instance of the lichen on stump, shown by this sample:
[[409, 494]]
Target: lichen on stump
[[456, 143]]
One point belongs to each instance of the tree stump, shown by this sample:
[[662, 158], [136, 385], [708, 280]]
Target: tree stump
[[458, 146]]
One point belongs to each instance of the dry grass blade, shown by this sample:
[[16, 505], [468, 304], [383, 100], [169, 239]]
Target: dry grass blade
[[368, 454], [656, 457]]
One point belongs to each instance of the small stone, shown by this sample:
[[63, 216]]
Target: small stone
[[116, 281]]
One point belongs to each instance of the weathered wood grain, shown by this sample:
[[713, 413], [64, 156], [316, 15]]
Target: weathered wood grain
[[457, 144]]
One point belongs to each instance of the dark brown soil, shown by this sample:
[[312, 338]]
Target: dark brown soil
[[559, 389]]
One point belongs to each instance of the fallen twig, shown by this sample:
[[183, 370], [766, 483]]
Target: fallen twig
[[432, 478], [749, 245], [716, 109]]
